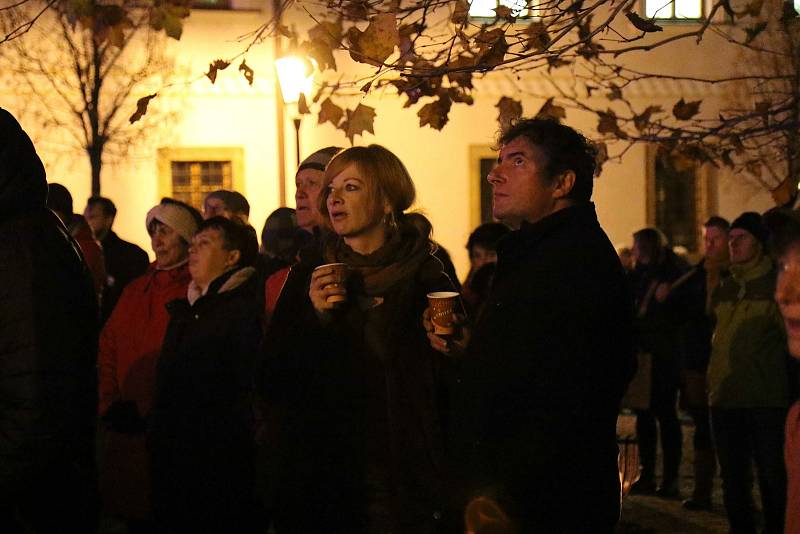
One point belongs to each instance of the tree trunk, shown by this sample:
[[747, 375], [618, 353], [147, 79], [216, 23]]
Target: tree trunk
[[96, 161]]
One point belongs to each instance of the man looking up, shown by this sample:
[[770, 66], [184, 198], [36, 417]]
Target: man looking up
[[748, 384], [537, 388], [124, 261]]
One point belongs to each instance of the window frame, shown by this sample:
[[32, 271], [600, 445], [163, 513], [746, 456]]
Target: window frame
[[166, 155], [673, 19]]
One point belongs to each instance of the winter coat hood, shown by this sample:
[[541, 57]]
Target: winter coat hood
[[23, 186]]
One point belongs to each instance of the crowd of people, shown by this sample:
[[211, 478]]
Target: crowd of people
[[240, 388], [713, 336]]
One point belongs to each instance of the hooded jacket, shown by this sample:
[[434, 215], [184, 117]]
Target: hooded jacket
[[48, 333]]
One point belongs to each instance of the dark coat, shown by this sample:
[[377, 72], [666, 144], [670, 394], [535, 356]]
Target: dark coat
[[536, 396], [48, 349], [201, 437], [124, 262], [357, 407]]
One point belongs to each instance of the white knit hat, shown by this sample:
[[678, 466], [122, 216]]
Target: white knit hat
[[176, 217]]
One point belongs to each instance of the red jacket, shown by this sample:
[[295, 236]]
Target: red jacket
[[130, 345], [792, 455]]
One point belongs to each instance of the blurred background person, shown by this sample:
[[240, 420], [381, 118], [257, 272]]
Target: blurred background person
[[482, 249], [130, 345], [279, 240], [748, 383], [124, 261], [655, 268], [625, 257], [356, 383], [48, 349], [690, 298], [59, 200], [201, 436], [228, 204]]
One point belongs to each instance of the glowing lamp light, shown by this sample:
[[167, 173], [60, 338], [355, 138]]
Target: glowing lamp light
[[295, 76]]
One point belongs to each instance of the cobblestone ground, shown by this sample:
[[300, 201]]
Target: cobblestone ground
[[646, 514]]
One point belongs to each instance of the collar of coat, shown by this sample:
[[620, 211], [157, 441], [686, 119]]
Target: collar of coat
[[757, 267], [530, 233], [223, 283]]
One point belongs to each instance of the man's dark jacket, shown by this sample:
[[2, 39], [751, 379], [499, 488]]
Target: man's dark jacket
[[124, 262], [48, 351], [536, 396]]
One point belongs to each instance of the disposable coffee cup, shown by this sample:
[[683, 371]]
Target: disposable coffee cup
[[339, 271], [443, 306]]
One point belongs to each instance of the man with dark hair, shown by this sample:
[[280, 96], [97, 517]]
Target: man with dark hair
[[536, 392], [124, 261], [226, 203], [48, 355]]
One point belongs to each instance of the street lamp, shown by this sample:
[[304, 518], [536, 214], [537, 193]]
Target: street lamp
[[295, 76]]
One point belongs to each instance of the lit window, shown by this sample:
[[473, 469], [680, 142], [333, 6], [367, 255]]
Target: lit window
[[484, 9], [674, 9], [193, 180]]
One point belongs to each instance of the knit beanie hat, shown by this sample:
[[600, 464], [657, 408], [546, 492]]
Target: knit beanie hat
[[176, 217], [319, 159], [753, 223]]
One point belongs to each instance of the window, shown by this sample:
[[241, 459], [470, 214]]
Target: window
[[681, 196], [189, 174], [482, 160], [674, 9], [484, 9], [193, 180]]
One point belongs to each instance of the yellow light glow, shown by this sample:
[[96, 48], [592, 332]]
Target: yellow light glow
[[295, 75]]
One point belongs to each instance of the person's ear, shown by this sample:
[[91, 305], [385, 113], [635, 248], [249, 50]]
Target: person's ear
[[564, 184], [233, 257]]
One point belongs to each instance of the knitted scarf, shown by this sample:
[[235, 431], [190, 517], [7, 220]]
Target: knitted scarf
[[405, 250]]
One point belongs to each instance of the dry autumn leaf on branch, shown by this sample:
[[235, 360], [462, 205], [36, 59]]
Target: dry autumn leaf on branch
[[375, 44], [247, 72], [686, 110], [329, 112], [644, 25], [510, 110], [358, 121], [217, 65], [141, 107], [642, 120], [537, 37], [435, 114], [551, 111], [324, 38], [302, 105]]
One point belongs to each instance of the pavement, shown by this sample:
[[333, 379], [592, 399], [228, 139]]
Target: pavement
[[653, 515]]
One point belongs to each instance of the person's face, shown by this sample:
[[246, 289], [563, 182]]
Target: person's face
[[520, 191], [213, 207], [742, 246], [638, 254], [479, 256], [308, 183], [98, 220], [170, 249], [787, 295], [351, 208], [715, 242], [208, 258]]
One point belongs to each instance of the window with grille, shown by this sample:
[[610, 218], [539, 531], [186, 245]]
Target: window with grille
[[193, 180], [674, 9]]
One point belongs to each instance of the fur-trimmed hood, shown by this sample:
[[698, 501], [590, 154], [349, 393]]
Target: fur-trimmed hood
[[234, 280]]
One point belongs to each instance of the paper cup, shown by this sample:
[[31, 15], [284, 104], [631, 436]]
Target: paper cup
[[340, 273], [443, 306]]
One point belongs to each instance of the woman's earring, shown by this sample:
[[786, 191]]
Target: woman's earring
[[390, 221]]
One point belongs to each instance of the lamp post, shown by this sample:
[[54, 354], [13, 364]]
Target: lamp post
[[295, 76]]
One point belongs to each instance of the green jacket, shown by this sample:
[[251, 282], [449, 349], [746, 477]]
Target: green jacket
[[748, 355]]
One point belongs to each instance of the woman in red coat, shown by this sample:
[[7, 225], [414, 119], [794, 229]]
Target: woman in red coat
[[129, 347]]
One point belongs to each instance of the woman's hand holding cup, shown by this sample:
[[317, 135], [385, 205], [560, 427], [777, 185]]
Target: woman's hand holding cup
[[327, 287]]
